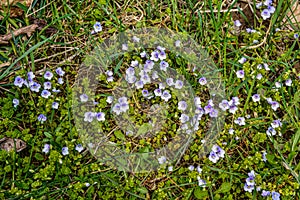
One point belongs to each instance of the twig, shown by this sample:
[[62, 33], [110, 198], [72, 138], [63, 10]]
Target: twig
[[27, 29]]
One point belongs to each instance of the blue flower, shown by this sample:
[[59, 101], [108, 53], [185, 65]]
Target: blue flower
[[157, 92], [218, 150], [79, 148], [170, 81], [143, 54], [166, 95], [48, 75], [155, 56], [240, 121], [178, 84], [84, 98], [271, 9], [109, 99], [276, 123], [135, 39], [224, 105], [130, 79], [274, 105], [288, 82], [271, 131], [213, 113], [130, 71], [182, 105], [35, 87], [201, 182], [47, 85], [256, 97], [60, 81], [248, 188], [65, 151], [88, 116], [268, 2], [164, 65], [184, 118], [259, 76], [296, 35], [100, 116], [30, 76], [162, 55], [117, 108], [55, 105], [202, 81], [213, 157], [42, 118], [177, 43], [265, 14], [46, 148], [275, 196], [97, 27], [15, 102], [19, 81], [59, 71], [242, 60], [240, 73], [191, 168], [237, 23], [124, 47], [145, 93], [265, 193], [45, 94], [264, 158], [162, 160]]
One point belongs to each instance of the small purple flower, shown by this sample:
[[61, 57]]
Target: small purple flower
[[55, 90], [65, 151], [184, 118], [157, 92], [271, 131], [258, 5], [178, 84], [46, 148], [109, 99], [45, 94], [146, 79], [170, 168], [240, 73], [97, 27], [155, 56], [124, 107], [170, 81], [42, 118], [123, 100], [202, 81], [250, 181], [79, 148], [166, 95], [135, 39], [265, 14], [224, 105], [265, 193], [242, 60], [276, 123], [213, 113], [264, 158], [143, 54], [256, 98], [59, 71], [47, 85], [296, 35], [208, 109], [148, 66], [231, 131], [191, 168], [275, 196], [130, 71], [240, 121], [277, 85], [259, 76], [84, 98], [248, 188], [201, 182], [133, 63], [100, 116], [164, 65], [15, 102], [274, 105], [48, 75], [271, 9], [182, 105], [139, 84], [88, 116], [130, 79], [288, 82], [237, 23], [145, 93], [60, 81], [268, 2], [117, 108], [162, 160], [35, 87], [162, 55], [218, 150], [19, 81], [213, 157], [30, 76], [55, 105]]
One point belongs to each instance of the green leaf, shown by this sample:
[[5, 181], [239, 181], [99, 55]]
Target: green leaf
[[142, 190], [48, 135], [39, 156], [144, 129], [224, 188], [200, 194], [119, 135]]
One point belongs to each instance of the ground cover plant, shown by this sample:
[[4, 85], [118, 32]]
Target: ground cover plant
[[255, 48]]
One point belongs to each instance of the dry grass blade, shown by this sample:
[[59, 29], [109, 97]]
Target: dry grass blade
[[28, 30]]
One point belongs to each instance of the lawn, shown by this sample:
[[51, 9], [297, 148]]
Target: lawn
[[149, 99]]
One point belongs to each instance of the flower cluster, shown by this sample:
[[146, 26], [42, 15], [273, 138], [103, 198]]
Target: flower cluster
[[216, 153], [250, 182], [274, 195], [64, 150], [90, 116], [230, 105], [121, 106], [34, 86], [268, 8], [274, 125]]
